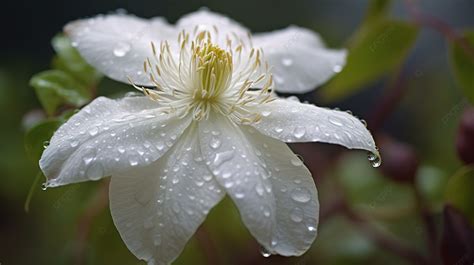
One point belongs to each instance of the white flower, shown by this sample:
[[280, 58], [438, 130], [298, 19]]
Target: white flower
[[211, 126]]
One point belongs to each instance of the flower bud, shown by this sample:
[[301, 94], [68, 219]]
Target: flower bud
[[400, 162], [465, 137]]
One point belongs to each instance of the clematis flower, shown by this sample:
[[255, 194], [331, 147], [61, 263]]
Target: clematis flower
[[209, 124]]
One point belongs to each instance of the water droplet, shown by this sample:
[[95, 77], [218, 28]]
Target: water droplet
[[336, 121], [278, 130], [296, 215], [133, 162], [215, 143], [95, 171], [143, 196], [266, 211], [227, 175], [121, 149], [45, 144], [93, 131], [287, 62], [295, 161], [299, 131], [121, 49], [337, 68], [266, 113], [239, 195], [223, 157], [265, 252], [374, 159], [301, 195], [274, 243], [259, 189], [207, 177], [88, 159]]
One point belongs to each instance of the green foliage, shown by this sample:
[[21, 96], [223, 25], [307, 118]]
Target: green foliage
[[459, 192], [377, 48], [55, 87], [463, 65], [377, 9], [71, 82]]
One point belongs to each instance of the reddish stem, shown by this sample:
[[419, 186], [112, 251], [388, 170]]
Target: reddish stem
[[442, 27]]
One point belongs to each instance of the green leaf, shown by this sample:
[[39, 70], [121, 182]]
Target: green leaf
[[376, 49], [55, 87], [459, 191], [38, 135], [377, 9], [69, 60], [463, 65]]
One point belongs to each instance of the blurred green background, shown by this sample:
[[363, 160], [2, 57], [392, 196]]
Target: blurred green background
[[406, 75]]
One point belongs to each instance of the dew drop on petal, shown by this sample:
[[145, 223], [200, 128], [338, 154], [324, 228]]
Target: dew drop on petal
[[45, 144], [121, 49], [296, 215], [265, 252], [374, 159], [95, 171], [215, 143], [299, 132], [300, 195], [295, 161], [223, 157], [335, 120], [93, 131]]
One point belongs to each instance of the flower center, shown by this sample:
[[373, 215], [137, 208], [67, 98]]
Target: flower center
[[214, 68], [203, 77]]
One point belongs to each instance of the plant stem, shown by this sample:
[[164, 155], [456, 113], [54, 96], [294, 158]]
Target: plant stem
[[31, 192], [442, 27]]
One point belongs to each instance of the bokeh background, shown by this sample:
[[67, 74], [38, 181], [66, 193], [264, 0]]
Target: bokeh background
[[408, 75]]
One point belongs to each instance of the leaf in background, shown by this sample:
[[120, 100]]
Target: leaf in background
[[457, 241], [69, 60], [377, 48], [55, 87], [459, 192], [463, 65], [377, 9], [38, 135]]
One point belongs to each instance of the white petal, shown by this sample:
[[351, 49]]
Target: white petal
[[159, 207], [291, 121], [299, 58], [273, 190], [109, 136], [117, 45], [204, 19]]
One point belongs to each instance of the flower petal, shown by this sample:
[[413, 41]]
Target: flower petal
[[117, 45], [291, 121], [271, 187], [299, 58], [204, 19], [109, 136], [159, 207]]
